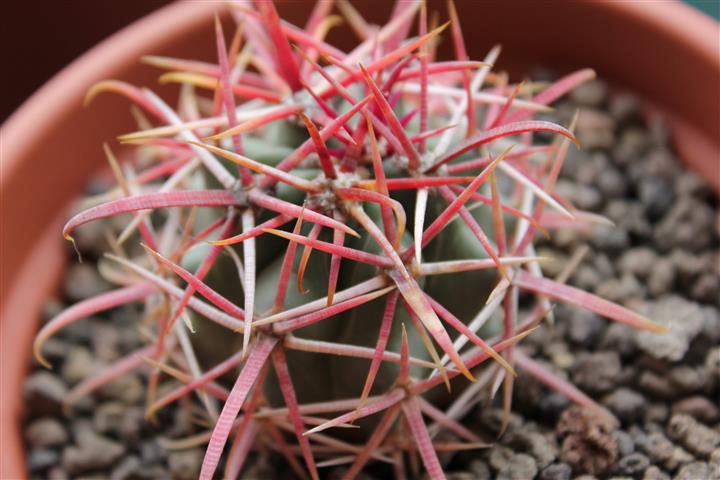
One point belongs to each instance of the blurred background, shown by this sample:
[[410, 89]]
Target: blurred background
[[40, 39]]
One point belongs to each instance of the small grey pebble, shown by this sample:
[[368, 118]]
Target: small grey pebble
[[105, 337], [697, 471], [715, 456], [556, 471], [653, 472], [460, 476], [82, 281], [604, 265], [661, 162], [624, 107], [612, 183], [693, 435], [480, 470], [621, 290], [585, 328], [684, 319], [633, 143], [706, 288], [633, 464], [620, 338], [185, 465], [657, 196], [520, 467], [551, 406], [131, 468], [688, 225], [698, 407], [691, 184], [596, 372], [45, 432], [593, 93], [662, 277], [687, 264], [656, 413], [40, 459], [596, 137], [44, 394], [584, 197], [93, 452], [688, 379], [108, 416], [611, 239], [625, 443], [127, 388], [638, 261], [712, 362], [57, 473], [711, 326], [132, 424], [678, 458], [629, 215], [656, 385], [151, 451], [559, 354], [586, 277], [541, 447], [491, 419], [499, 457], [627, 404], [566, 238], [78, 365], [656, 445]]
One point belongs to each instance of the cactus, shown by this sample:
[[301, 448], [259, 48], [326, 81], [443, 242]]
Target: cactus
[[399, 193]]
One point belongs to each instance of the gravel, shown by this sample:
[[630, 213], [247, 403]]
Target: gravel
[[698, 470], [698, 407], [185, 465], [596, 372], [653, 472], [656, 445], [556, 471], [693, 435], [628, 405], [78, 365], [83, 281], [44, 393], [520, 467], [684, 320], [45, 432], [91, 452], [633, 464]]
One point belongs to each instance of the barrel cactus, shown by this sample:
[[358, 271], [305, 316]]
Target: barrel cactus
[[342, 235]]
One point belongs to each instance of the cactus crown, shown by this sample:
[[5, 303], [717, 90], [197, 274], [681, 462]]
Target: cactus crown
[[302, 145]]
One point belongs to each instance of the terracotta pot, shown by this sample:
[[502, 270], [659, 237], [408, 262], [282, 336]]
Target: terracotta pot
[[665, 52]]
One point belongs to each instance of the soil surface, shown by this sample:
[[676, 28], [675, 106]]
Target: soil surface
[[661, 257]]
